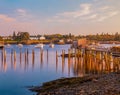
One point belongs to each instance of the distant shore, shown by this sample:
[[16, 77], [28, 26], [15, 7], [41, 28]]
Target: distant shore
[[106, 84], [30, 42]]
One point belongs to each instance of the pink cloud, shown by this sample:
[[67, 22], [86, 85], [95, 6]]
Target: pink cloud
[[6, 18]]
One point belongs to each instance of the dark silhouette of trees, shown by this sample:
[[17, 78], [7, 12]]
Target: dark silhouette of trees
[[104, 37], [21, 36], [1, 38], [14, 35]]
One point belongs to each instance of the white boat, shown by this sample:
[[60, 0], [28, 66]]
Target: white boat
[[51, 45], [39, 46], [8, 45], [20, 45]]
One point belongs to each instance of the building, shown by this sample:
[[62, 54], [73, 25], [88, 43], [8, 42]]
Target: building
[[7, 37], [34, 38], [42, 38], [79, 43]]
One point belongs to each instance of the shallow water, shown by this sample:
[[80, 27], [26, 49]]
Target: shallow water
[[15, 75]]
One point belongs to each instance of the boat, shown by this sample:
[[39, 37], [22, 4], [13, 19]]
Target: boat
[[8, 45], [39, 46], [20, 45], [51, 45]]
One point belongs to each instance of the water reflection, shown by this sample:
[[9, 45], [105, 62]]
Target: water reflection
[[84, 62]]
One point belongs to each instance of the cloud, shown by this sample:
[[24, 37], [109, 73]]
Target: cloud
[[6, 18], [21, 12], [23, 15], [113, 13], [93, 16], [67, 16], [104, 8], [107, 15], [86, 11]]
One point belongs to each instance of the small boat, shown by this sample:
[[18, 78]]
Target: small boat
[[20, 45], [39, 46], [51, 45], [8, 45]]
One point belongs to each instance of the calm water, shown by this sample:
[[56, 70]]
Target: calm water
[[16, 75]]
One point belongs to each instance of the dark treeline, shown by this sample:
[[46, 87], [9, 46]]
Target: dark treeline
[[104, 37], [98, 37]]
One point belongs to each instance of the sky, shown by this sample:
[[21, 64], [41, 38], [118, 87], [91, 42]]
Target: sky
[[78, 17]]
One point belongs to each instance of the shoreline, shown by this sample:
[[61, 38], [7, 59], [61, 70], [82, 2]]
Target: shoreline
[[105, 84]]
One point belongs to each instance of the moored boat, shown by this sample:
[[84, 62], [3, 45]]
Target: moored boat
[[39, 46], [20, 45], [51, 45]]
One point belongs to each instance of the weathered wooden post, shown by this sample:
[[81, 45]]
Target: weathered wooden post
[[111, 62], [56, 60], [20, 55], [4, 56], [63, 60], [14, 56], [27, 55], [63, 56], [11, 55], [106, 62], [56, 57], [41, 55], [69, 55], [14, 60], [75, 55], [47, 55], [33, 56]]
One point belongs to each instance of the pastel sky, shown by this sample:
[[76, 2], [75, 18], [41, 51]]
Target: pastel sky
[[79, 17]]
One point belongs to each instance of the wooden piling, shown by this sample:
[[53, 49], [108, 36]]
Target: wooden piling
[[4, 56], [47, 55], [27, 55], [69, 56], [14, 60], [41, 55], [63, 56], [20, 55], [33, 56], [11, 55], [56, 60], [56, 57], [14, 55]]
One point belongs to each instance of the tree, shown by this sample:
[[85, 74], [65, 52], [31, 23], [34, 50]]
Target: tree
[[23, 36], [1, 38], [14, 35], [117, 37]]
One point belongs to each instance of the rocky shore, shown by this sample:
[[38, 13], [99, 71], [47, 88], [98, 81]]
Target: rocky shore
[[105, 84]]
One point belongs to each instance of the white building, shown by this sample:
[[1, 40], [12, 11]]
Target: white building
[[42, 38]]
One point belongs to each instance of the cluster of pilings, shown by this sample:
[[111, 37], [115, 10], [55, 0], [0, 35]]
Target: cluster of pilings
[[22, 55], [91, 61], [81, 61]]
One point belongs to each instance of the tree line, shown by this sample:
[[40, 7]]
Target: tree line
[[20, 36]]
